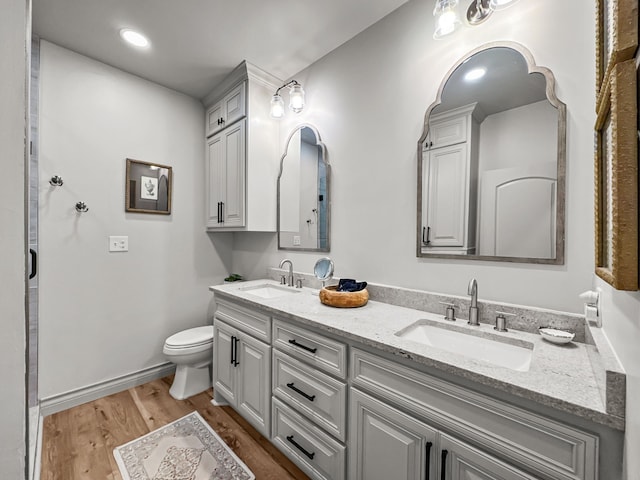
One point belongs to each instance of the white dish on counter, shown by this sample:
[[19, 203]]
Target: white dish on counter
[[554, 335]]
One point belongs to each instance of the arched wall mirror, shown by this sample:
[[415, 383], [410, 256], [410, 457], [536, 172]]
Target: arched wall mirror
[[304, 193], [491, 161]]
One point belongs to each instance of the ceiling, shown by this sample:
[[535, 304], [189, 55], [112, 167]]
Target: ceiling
[[196, 43], [507, 83]]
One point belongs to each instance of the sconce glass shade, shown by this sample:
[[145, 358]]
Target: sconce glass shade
[[500, 4], [277, 106], [296, 98], [447, 19]]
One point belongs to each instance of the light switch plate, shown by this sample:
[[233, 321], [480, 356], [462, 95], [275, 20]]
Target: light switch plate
[[296, 239], [118, 244]]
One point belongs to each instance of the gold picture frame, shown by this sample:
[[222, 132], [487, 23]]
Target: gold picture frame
[[616, 39], [616, 179], [148, 187]]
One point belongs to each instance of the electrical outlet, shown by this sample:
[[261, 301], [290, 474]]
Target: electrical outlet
[[296, 240], [118, 244]]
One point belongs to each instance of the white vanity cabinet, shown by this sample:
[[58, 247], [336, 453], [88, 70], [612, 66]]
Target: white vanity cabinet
[[500, 441], [450, 172], [242, 156], [310, 400], [242, 363], [387, 443]]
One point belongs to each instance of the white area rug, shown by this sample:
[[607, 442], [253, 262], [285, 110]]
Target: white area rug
[[187, 449]]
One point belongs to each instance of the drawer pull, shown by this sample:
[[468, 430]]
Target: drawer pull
[[233, 349], [311, 398], [443, 465], [299, 447], [304, 347]]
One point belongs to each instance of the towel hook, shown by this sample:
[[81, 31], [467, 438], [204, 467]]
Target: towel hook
[[81, 207], [56, 181]]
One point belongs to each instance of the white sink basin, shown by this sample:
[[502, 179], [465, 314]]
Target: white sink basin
[[495, 350], [268, 290]]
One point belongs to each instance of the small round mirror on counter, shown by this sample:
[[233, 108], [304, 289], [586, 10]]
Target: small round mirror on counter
[[323, 269]]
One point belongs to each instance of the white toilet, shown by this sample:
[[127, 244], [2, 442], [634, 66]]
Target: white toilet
[[192, 351]]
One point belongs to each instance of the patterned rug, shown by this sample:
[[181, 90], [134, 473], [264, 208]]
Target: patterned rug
[[187, 449]]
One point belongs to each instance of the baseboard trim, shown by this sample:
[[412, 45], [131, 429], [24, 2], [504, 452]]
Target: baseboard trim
[[73, 398]]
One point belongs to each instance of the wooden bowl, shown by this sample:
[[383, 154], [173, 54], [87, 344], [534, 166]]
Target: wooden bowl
[[330, 296]]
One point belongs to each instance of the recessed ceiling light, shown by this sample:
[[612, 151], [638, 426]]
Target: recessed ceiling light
[[134, 38], [475, 74]]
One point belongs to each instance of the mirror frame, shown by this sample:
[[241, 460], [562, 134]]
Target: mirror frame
[[328, 194], [561, 160], [619, 105]]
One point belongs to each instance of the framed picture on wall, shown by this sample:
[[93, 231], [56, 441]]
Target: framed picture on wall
[[616, 180], [148, 187], [616, 38]]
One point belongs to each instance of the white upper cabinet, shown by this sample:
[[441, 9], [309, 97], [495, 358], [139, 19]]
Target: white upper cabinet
[[242, 154], [226, 111], [450, 176]]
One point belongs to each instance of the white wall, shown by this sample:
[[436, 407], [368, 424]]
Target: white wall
[[368, 99], [14, 31], [519, 137], [104, 314], [621, 323]]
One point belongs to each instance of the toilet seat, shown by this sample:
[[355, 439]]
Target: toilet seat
[[188, 339]]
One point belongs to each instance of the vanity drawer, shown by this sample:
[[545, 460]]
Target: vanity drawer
[[540, 444], [316, 395], [314, 451], [321, 352], [248, 320]]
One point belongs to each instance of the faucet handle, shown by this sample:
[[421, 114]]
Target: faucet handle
[[283, 279], [501, 321], [450, 311], [299, 283]]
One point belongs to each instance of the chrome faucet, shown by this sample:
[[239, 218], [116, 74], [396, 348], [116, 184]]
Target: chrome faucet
[[473, 309], [286, 260]]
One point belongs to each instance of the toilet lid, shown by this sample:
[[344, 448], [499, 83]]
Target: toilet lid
[[191, 337]]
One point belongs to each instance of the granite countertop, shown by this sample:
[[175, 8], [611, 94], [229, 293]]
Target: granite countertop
[[560, 376]]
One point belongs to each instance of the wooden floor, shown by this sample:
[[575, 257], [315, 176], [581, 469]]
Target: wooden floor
[[78, 443]]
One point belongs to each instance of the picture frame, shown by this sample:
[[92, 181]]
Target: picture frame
[[616, 39], [616, 180], [148, 187]]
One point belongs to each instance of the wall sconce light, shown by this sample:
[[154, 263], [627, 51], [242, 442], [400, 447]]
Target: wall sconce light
[[296, 99], [447, 20]]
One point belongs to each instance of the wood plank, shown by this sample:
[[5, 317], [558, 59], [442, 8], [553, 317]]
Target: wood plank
[[78, 443], [56, 458], [119, 421], [90, 459], [157, 406], [264, 460]]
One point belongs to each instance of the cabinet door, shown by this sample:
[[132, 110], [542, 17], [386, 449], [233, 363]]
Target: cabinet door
[[447, 196], [464, 462], [233, 202], [226, 158], [224, 372], [214, 118], [254, 382], [234, 104], [386, 443], [448, 132], [214, 186]]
